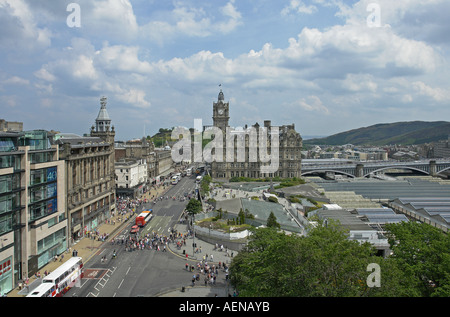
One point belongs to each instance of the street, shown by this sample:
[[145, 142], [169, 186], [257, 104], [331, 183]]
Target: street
[[139, 272]]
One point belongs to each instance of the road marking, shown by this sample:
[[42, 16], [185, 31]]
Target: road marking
[[120, 284], [128, 270]]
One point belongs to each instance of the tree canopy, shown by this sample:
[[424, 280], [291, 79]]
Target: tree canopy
[[194, 206], [327, 263]]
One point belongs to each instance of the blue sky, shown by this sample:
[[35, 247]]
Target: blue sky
[[319, 64]]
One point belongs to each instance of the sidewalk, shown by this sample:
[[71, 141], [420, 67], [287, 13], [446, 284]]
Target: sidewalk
[[222, 288], [86, 247], [204, 247]]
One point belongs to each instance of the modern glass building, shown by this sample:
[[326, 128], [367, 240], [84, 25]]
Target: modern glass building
[[33, 224]]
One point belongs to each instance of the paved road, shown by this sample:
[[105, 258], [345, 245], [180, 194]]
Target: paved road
[[149, 272]]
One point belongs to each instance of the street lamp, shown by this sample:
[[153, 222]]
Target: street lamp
[[193, 234]]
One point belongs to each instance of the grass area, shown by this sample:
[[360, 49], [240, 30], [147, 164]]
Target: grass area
[[284, 182], [221, 225]]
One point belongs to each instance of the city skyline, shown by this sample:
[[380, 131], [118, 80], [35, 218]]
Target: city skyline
[[326, 66]]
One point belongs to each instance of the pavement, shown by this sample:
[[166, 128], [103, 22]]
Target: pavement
[[88, 247], [222, 287]]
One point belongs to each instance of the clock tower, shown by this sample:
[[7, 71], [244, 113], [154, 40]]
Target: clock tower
[[221, 113]]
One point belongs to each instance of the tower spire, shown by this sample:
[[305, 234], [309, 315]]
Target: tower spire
[[103, 122]]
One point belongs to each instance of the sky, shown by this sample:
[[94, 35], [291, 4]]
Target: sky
[[326, 66]]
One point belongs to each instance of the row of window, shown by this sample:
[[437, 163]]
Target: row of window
[[42, 192], [43, 209], [9, 202], [6, 223], [9, 183], [41, 157], [42, 176], [51, 240], [10, 161], [258, 174]]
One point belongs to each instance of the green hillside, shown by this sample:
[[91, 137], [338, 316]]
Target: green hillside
[[160, 138], [406, 133]]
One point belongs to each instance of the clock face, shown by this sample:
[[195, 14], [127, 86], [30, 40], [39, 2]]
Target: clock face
[[220, 111]]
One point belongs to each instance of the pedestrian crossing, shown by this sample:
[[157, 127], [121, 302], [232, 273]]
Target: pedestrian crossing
[[158, 224]]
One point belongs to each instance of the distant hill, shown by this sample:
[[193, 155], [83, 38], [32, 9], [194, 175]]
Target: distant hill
[[406, 133], [160, 138]]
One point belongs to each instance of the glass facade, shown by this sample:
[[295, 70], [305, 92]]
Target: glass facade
[[10, 161], [42, 193], [6, 276], [42, 201], [9, 200], [50, 246], [36, 140], [6, 144], [41, 157]]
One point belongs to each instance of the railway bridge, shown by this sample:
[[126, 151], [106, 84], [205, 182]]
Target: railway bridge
[[363, 169]]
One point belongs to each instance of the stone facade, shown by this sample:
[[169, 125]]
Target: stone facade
[[290, 145], [90, 175], [139, 149]]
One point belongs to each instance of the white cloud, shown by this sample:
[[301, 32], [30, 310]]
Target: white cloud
[[312, 103], [360, 83], [112, 17], [192, 22], [299, 7], [122, 58], [44, 74], [345, 67], [134, 97], [18, 28], [16, 80], [438, 94]]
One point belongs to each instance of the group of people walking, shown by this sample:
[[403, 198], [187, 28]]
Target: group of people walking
[[207, 271]]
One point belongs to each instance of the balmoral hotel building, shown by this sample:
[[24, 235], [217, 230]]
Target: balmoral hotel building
[[290, 145]]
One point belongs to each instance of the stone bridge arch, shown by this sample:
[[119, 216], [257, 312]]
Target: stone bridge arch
[[403, 167], [328, 170]]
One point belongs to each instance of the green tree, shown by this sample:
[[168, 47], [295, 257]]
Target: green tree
[[204, 185], [423, 252], [241, 216], [194, 206], [272, 221], [323, 263]]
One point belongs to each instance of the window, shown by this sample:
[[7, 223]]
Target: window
[[5, 184], [6, 223]]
